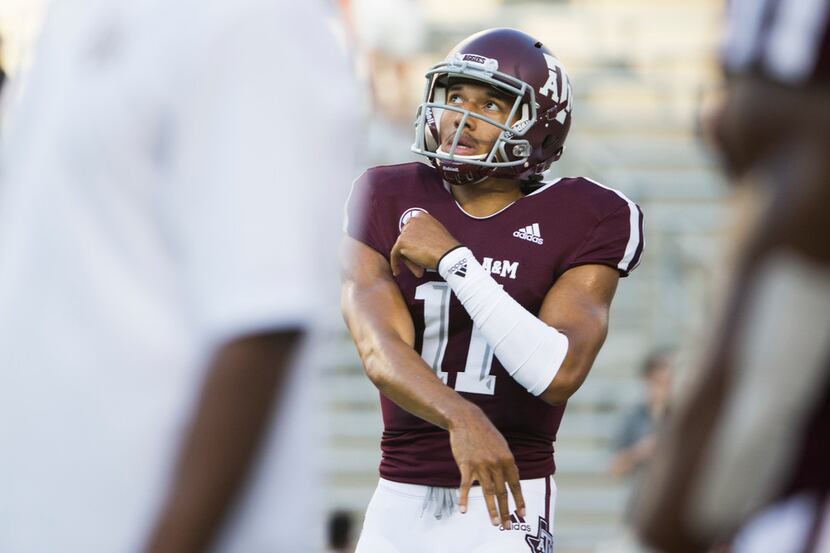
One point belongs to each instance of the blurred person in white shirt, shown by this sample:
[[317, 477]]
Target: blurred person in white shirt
[[170, 179]]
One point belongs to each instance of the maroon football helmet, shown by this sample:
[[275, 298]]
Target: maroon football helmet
[[532, 137]]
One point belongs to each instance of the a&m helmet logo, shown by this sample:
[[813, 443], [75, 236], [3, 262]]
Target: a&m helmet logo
[[409, 214], [557, 87]]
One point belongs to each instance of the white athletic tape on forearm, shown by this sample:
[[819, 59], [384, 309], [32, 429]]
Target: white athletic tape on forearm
[[531, 351]]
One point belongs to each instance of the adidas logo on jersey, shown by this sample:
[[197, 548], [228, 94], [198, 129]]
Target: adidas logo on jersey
[[517, 523], [530, 233]]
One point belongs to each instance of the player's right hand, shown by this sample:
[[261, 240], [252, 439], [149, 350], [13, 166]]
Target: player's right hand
[[483, 456]]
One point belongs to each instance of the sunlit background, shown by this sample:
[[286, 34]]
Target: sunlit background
[[641, 70]]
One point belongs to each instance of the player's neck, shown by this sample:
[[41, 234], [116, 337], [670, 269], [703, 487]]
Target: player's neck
[[488, 196]]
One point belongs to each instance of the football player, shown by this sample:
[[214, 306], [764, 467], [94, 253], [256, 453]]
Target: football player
[[747, 458], [478, 297]]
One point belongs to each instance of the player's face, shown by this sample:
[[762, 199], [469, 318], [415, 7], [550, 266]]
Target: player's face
[[478, 136]]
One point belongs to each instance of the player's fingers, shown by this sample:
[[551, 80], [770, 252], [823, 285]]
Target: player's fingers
[[516, 489], [464, 489], [416, 269], [501, 498], [395, 258], [489, 496]]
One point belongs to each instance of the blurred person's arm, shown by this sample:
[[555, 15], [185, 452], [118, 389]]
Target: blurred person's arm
[[238, 394], [727, 446]]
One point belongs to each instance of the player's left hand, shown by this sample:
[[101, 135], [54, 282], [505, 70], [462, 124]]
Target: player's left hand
[[421, 244]]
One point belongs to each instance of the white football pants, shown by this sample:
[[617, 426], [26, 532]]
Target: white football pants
[[403, 518]]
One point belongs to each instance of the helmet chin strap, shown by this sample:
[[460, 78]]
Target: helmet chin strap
[[453, 179], [465, 183]]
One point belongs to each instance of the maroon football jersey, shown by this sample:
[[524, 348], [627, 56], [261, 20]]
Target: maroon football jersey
[[526, 247]]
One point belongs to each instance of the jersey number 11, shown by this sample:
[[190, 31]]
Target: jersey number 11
[[476, 377]]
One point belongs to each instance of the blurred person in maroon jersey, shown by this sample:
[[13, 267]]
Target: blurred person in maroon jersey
[[478, 297], [747, 456]]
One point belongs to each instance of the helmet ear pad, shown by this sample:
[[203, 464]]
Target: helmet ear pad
[[548, 134]]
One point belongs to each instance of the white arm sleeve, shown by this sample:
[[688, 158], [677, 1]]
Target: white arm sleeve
[[531, 351]]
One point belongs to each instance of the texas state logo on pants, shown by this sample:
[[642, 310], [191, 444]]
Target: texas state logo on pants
[[409, 518]]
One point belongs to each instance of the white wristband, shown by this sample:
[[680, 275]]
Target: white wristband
[[531, 351]]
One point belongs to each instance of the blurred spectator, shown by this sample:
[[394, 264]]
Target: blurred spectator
[[2, 70], [341, 524], [389, 35], [164, 225], [635, 442]]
